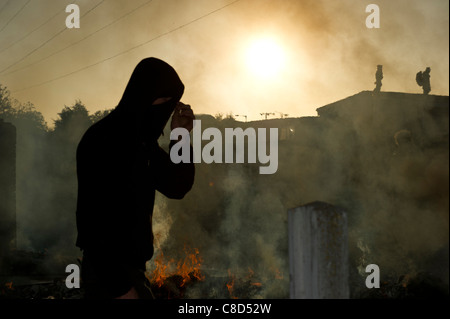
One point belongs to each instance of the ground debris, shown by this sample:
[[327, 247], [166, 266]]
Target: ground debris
[[55, 289], [420, 286]]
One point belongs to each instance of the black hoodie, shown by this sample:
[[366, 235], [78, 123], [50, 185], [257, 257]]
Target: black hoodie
[[119, 167]]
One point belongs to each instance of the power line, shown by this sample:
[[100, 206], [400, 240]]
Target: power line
[[128, 50], [44, 43], [17, 13], [93, 8], [34, 30], [86, 37]]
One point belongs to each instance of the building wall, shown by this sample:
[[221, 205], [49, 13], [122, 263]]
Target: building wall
[[389, 112]]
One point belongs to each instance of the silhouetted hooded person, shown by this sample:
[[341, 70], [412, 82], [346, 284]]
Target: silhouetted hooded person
[[119, 167]]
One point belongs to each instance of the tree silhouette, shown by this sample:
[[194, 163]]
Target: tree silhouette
[[97, 116], [46, 171], [23, 115], [72, 122], [31, 147]]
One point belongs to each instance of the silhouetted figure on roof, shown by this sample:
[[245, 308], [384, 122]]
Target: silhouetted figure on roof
[[423, 80], [119, 167], [378, 78]]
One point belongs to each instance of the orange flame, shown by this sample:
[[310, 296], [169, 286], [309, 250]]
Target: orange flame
[[230, 284], [9, 285], [160, 273], [278, 274], [250, 277], [188, 268]]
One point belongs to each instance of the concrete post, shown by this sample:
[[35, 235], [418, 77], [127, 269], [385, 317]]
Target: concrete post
[[7, 188], [318, 252]]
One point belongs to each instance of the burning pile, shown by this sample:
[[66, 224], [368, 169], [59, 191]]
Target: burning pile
[[250, 285], [185, 279], [241, 288], [169, 279]]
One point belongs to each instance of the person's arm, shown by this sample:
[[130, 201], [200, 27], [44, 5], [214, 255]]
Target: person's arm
[[175, 180]]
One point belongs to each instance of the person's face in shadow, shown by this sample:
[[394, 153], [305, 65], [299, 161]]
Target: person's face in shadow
[[161, 100], [155, 117]]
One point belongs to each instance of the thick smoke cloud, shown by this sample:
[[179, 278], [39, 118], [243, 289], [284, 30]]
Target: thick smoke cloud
[[392, 183], [395, 191], [330, 52]]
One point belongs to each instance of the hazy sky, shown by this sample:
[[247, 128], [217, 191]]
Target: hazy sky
[[325, 51]]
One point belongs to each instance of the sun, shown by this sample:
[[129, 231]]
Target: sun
[[265, 58]]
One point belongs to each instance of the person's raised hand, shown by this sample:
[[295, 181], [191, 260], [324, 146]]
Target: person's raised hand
[[183, 116]]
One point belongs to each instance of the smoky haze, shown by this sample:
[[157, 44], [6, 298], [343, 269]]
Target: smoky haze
[[326, 45], [395, 190], [388, 170]]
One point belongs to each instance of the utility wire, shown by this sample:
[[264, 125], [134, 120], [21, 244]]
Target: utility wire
[[17, 13], [128, 50], [34, 30], [44, 43], [75, 43]]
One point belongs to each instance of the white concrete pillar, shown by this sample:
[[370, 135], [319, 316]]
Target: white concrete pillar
[[318, 252]]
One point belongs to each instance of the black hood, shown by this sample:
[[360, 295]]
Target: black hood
[[151, 79]]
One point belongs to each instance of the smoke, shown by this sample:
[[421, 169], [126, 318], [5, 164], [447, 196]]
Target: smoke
[[388, 168], [396, 195], [236, 221], [46, 184], [328, 49], [240, 231]]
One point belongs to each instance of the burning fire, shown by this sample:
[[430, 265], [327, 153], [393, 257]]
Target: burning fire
[[278, 274], [173, 276], [160, 273], [250, 283], [230, 284], [187, 269], [250, 278], [190, 266]]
